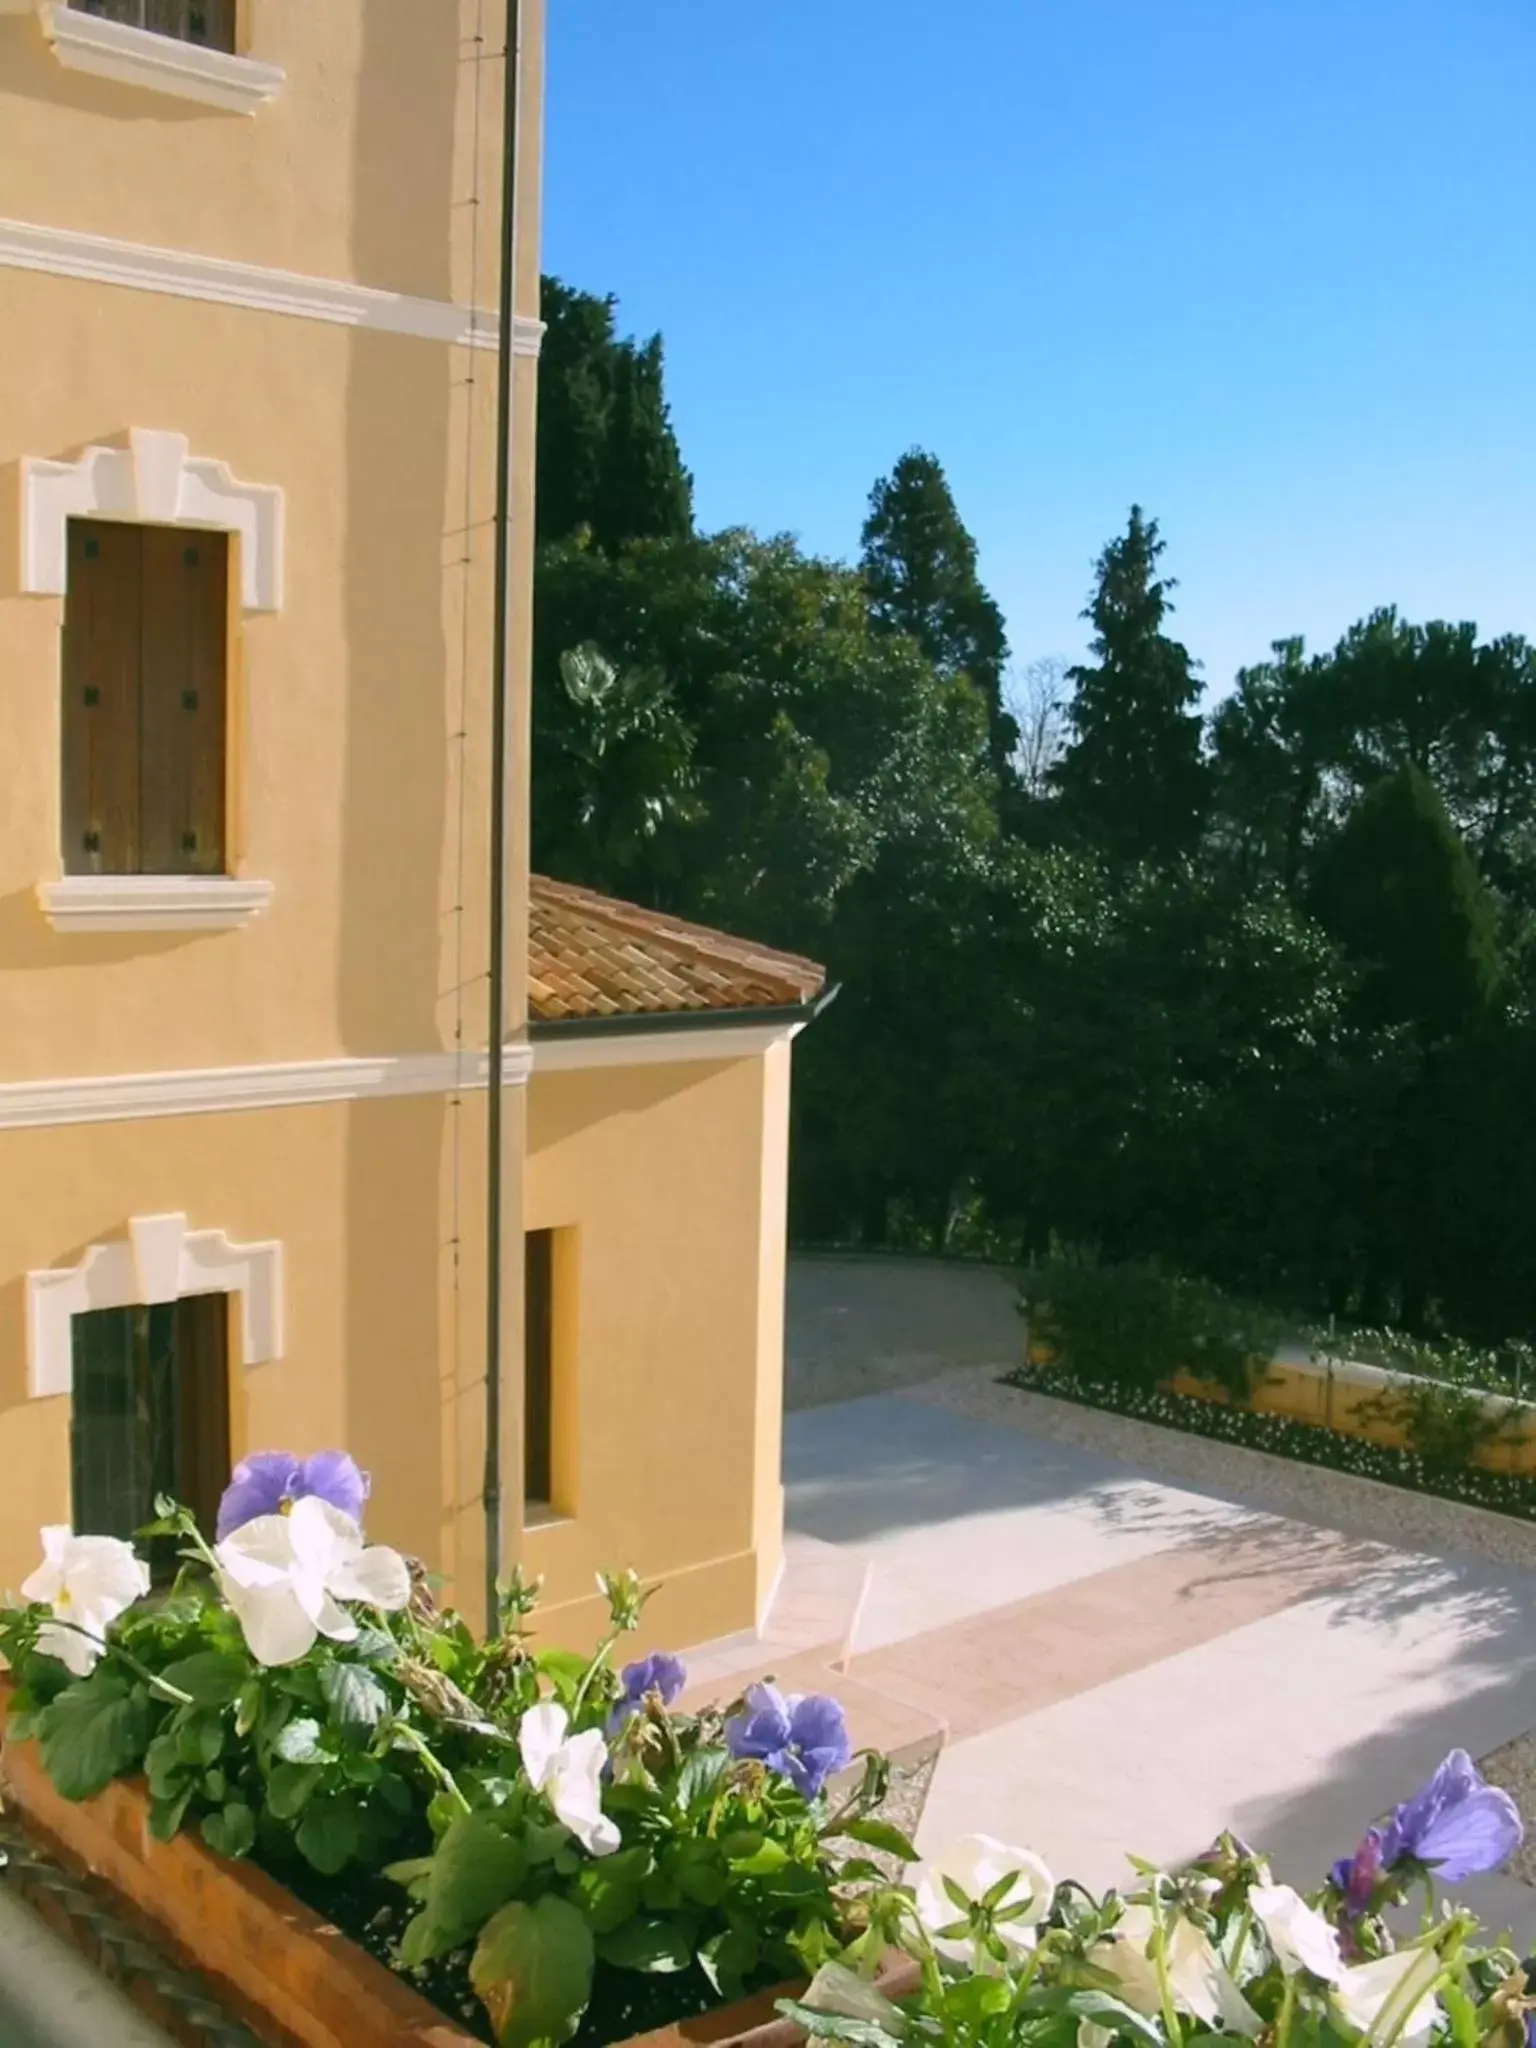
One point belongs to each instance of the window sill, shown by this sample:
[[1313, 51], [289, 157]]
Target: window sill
[[541, 1514], [137, 56], [152, 903]]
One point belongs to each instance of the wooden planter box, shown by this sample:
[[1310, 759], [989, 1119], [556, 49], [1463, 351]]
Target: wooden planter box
[[295, 1981]]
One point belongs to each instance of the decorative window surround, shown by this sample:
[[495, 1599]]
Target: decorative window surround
[[137, 56], [152, 903], [63, 252], [154, 481], [159, 1260]]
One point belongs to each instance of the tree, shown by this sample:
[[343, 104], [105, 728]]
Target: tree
[[919, 567], [1402, 895], [1133, 780], [607, 457], [1036, 700]]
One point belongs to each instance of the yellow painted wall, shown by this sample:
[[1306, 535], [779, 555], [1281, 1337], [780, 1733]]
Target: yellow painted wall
[[670, 1179], [361, 1196]]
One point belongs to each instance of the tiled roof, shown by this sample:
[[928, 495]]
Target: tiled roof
[[590, 956]]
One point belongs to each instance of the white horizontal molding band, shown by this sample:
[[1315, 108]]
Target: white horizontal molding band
[[98, 258], [293, 1084]]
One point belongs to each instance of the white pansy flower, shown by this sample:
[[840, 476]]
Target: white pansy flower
[[1199, 1982], [1299, 1935], [286, 1575], [88, 1581], [976, 1864], [568, 1770], [1392, 1999]]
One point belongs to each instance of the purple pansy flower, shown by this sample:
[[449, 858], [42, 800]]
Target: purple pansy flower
[[661, 1673], [804, 1738], [1457, 1826], [268, 1482]]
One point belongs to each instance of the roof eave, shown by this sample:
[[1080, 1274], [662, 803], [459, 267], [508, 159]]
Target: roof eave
[[631, 1023]]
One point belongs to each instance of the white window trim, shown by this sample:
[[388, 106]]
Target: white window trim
[[137, 56], [152, 903], [159, 1260], [153, 481]]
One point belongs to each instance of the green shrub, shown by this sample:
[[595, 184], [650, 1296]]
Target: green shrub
[[1136, 1325]]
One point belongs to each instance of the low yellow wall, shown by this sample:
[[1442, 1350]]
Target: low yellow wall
[[1309, 1395]]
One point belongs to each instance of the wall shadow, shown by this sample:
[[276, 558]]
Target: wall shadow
[[393, 796]]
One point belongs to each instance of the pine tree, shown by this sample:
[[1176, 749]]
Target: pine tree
[[1400, 892], [607, 457], [919, 567], [1133, 780]]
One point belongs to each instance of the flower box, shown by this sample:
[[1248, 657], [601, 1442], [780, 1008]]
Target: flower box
[[294, 1980]]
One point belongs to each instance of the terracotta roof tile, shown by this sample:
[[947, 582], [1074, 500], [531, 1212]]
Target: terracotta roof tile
[[591, 956]]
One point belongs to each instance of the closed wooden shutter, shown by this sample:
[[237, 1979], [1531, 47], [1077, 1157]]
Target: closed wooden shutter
[[181, 699], [102, 637], [146, 631], [202, 1405]]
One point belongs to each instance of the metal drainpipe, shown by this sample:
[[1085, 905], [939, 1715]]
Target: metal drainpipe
[[50, 1997], [498, 935]]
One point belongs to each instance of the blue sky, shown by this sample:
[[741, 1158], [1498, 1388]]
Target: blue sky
[[1266, 266]]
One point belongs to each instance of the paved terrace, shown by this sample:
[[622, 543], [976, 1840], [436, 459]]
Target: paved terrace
[[1115, 1660]]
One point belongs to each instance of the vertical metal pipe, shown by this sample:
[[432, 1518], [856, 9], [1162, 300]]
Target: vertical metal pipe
[[498, 892]]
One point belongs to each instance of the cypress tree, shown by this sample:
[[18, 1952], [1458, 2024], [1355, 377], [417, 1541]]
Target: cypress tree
[[919, 567], [1133, 781]]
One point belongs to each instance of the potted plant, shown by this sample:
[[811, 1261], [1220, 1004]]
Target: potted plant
[[371, 1828]]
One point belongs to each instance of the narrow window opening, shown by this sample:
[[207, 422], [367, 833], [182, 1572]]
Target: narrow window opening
[[150, 1416]]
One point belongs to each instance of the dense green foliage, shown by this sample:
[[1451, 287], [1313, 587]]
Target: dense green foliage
[[1246, 994]]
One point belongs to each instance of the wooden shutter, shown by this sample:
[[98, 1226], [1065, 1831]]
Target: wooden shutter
[[102, 634], [538, 1365], [202, 1405], [181, 695]]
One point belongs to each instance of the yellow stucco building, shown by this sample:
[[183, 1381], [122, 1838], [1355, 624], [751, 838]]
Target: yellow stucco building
[[248, 431]]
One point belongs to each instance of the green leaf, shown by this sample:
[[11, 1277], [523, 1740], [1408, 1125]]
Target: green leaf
[[565, 1670], [328, 1833], [299, 1742], [728, 1959], [163, 1765], [167, 1814], [532, 1967], [354, 1695], [289, 1788], [231, 1831], [1113, 2013], [765, 1859], [881, 1835], [657, 1946], [610, 1888], [376, 1646], [477, 1867], [699, 1779], [422, 1942], [92, 1734], [834, 2026], [214, 1678]]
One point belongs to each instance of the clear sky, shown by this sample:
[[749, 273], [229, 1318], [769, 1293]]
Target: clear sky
[[1266, 266]]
